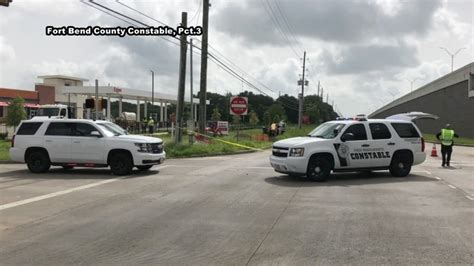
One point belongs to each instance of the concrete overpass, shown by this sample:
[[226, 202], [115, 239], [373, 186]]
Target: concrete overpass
[[451, 97]]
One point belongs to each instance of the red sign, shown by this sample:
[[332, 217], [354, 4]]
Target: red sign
[[117, 90], [238, 105]]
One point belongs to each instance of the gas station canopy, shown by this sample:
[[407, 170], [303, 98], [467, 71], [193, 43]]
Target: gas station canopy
[[125, 93]]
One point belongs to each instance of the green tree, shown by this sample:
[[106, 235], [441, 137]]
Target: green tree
[[253, 118], [16, 112], [267, 118], [276, 112], [216, 115]]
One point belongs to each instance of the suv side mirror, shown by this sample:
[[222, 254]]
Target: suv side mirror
[[347, 136], [96, 134]]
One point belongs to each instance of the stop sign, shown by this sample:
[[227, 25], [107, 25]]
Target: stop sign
[[238, 105]]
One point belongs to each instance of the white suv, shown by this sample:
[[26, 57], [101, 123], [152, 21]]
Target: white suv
[[78, 142], [394, 143]]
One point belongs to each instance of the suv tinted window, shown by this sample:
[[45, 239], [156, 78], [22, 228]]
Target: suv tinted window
[[29, 128], [379, 131], [405, 130], [358, 130], [83, 129], [60, 129]]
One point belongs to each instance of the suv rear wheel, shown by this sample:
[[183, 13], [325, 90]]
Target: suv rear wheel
[[401, 165], [121, 163], [38, 161], [319, 169]]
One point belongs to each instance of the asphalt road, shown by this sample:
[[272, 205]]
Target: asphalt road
[[237, 210]]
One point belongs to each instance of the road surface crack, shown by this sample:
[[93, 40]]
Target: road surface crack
[[273, 225]]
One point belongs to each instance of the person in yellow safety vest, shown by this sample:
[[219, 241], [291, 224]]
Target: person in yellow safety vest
[[446, 137], [151, 125], [143, 125]]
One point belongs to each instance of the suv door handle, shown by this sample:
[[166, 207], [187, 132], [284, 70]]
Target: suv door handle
[[76, 141], [48, 140], [391, 143], [365, 145]]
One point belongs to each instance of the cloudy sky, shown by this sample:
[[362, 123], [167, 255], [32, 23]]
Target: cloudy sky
[[363, 52]]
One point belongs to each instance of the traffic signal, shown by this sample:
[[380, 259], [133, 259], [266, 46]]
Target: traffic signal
[[90, 103], [102, 104], [5, 2]]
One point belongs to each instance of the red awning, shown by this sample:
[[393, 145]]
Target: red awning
[[27, 105], [31, 105]]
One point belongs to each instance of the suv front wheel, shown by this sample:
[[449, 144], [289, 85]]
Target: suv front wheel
[[319, 169], [121, 163], [401, 165], [38, 161]]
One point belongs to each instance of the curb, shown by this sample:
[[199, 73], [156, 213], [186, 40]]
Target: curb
[[8, 162], [455, 144]]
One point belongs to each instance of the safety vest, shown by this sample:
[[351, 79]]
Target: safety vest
[[447, 136], [151, 122]]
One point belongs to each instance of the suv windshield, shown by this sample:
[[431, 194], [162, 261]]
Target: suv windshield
[[48, 112], [112, 129], [327, 130]]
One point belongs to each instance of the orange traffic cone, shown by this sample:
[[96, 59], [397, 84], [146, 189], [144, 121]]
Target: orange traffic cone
[[434, 153]]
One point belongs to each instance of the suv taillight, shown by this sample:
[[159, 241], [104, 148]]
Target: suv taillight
[[422, 144], [13, 141]]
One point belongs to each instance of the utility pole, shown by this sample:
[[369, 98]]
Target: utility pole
[[322, 89], [300, 109], [182, 80], [318, 88], [203, 85], [96, 102], [191, 76], [327, 98]]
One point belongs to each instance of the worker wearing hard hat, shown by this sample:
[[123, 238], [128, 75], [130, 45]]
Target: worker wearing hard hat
[[446, 136]]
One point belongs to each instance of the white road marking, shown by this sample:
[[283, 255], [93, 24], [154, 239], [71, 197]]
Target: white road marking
[[451, 186], [63, 192], [469, 197], [437, 178]]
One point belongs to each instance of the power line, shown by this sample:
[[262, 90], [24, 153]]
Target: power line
[[197, 13], [277, 4], [214, 59], [138, 11], [228, 60], [274, 20], [108, 13]]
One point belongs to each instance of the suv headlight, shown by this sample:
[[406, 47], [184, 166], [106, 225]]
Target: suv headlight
[[296, 152], [144, 147]]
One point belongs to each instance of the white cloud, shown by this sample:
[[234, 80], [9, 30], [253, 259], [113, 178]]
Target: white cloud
[[362, 51]]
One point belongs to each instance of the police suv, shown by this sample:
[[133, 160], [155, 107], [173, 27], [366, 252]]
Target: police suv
[[357, 144], [79, 142]]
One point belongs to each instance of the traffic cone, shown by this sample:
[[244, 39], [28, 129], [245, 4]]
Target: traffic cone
[[434, 153]]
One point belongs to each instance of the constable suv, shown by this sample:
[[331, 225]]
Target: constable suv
[[78, 142], [359, 144]]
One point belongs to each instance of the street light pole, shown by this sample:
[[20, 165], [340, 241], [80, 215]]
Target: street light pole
[[152, 87], [411, 82], [452, 55]]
